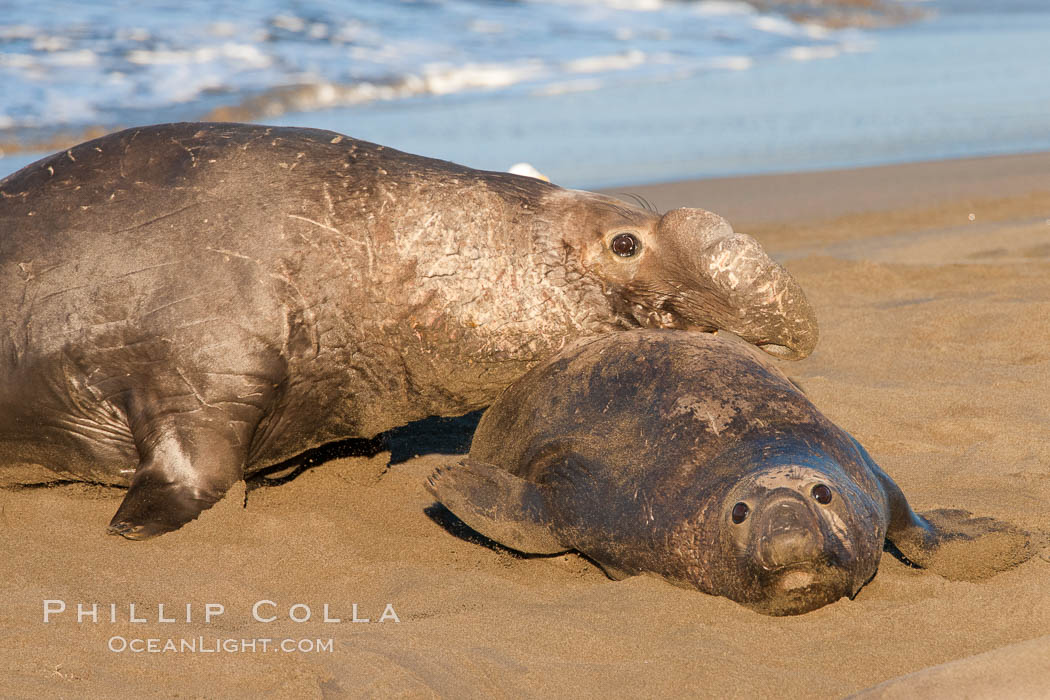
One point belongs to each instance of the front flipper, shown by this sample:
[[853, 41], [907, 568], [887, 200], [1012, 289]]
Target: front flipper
[[964, 547], [188, 461], [503, 507], [950, 543]]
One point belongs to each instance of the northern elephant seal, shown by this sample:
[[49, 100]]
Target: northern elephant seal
[[694, 458], [182, 304]]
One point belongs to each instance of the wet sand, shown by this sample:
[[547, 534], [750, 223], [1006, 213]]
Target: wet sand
[[932, 286]]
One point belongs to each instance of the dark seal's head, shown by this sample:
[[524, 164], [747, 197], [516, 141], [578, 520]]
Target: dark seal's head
[[688, 269], [692, 457], [794, 536]]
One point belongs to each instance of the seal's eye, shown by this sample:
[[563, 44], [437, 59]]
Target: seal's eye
[[822, 494], [624, 244], [740, 511]]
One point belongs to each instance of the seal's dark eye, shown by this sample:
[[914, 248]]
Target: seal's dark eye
[[740, 511], [822, 494], [624, 244]]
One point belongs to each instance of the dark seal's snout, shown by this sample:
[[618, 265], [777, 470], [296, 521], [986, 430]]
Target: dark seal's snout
[[800, 563], [797, 542], [790, 535]]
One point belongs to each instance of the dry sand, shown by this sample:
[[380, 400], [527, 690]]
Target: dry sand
[[935, 354]]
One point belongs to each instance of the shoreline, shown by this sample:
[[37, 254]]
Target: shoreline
[[934, 354], [820, 195]]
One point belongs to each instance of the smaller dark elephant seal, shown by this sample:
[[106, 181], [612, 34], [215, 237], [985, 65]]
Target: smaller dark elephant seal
[[692, 457], [185, 304]]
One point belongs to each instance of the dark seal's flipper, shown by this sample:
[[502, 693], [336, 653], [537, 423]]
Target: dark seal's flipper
[[503, 507], [951, 543], [965, 547]]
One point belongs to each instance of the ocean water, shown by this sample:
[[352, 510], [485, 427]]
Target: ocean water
[[99, 62], [591, 92]]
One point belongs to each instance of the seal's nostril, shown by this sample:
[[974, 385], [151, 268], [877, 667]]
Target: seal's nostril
[[785, 517], [789, 542]]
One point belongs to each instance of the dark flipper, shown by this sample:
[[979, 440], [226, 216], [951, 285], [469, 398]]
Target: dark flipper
[[951, 543], [188, 461], [503, 507], [965, 547]]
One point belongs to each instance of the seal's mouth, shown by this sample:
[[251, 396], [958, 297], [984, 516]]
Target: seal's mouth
[[648, 317], [796, 578], [801, 588], [782, 352]]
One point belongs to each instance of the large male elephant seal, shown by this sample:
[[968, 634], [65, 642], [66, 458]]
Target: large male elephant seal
[[692, 457], [185, 303]]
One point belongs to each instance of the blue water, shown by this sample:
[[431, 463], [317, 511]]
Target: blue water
[[591, 92], [101, 62]]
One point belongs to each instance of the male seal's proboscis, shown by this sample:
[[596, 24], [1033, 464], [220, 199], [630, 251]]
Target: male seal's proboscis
[[694, 458], [184, 304]]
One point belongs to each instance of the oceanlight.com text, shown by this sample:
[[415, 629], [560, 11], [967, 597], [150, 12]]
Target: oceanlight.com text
[[218, 645]]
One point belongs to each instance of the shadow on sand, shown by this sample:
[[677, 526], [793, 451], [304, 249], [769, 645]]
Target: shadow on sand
[[433, 435]]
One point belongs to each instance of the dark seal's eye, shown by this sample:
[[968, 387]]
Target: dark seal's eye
[[740, 511], [624, 244], [822, 494]]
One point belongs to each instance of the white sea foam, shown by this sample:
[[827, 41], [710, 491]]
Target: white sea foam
[[815, 31], [775, 25], [603, 64], [244, 53], [82, 57], [628, 5], [812, 53], [565, 87], [137, 63], [443, 79], [731, 62]]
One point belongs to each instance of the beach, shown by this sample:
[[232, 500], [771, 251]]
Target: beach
[[860, 141], [931, 283]]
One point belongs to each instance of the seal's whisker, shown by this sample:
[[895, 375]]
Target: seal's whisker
[[626, 212]]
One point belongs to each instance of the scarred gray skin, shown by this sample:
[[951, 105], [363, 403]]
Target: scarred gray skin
[[183, 304], [635, 448]]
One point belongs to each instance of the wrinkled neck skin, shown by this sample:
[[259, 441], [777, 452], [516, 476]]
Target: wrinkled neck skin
[[791, 554], [481, 292], [481, 276]]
